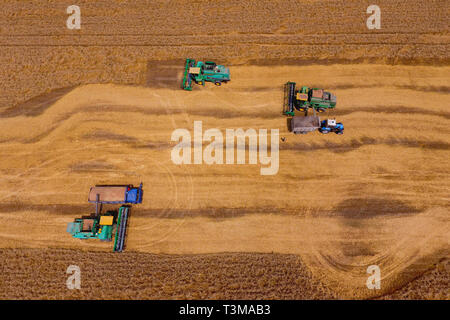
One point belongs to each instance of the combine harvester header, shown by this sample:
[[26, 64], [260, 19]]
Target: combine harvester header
[[101, 226]]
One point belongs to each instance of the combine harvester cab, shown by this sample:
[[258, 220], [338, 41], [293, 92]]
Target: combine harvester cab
[[200, 72], [101, 226]]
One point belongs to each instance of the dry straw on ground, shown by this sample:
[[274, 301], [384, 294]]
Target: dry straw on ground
[[376, 195]]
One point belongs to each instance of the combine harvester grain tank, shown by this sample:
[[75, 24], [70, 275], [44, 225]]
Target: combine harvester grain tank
[[101, 226]]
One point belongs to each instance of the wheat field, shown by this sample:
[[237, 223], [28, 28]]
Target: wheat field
[[99, 107]]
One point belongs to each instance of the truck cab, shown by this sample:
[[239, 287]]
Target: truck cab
[[330, 125], [209, 66], [134, 194]]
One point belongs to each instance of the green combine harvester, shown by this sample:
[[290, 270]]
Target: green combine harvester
[[103, 226], [304, 98], [200, 72]]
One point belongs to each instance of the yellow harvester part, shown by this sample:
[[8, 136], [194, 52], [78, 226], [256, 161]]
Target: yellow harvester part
[[106, 220], [194, 70]]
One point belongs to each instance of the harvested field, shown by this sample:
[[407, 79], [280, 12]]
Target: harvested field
[[99, 107]]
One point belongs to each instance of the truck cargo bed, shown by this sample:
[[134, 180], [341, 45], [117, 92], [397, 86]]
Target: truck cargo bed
[[306, 124], [108, 194]]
